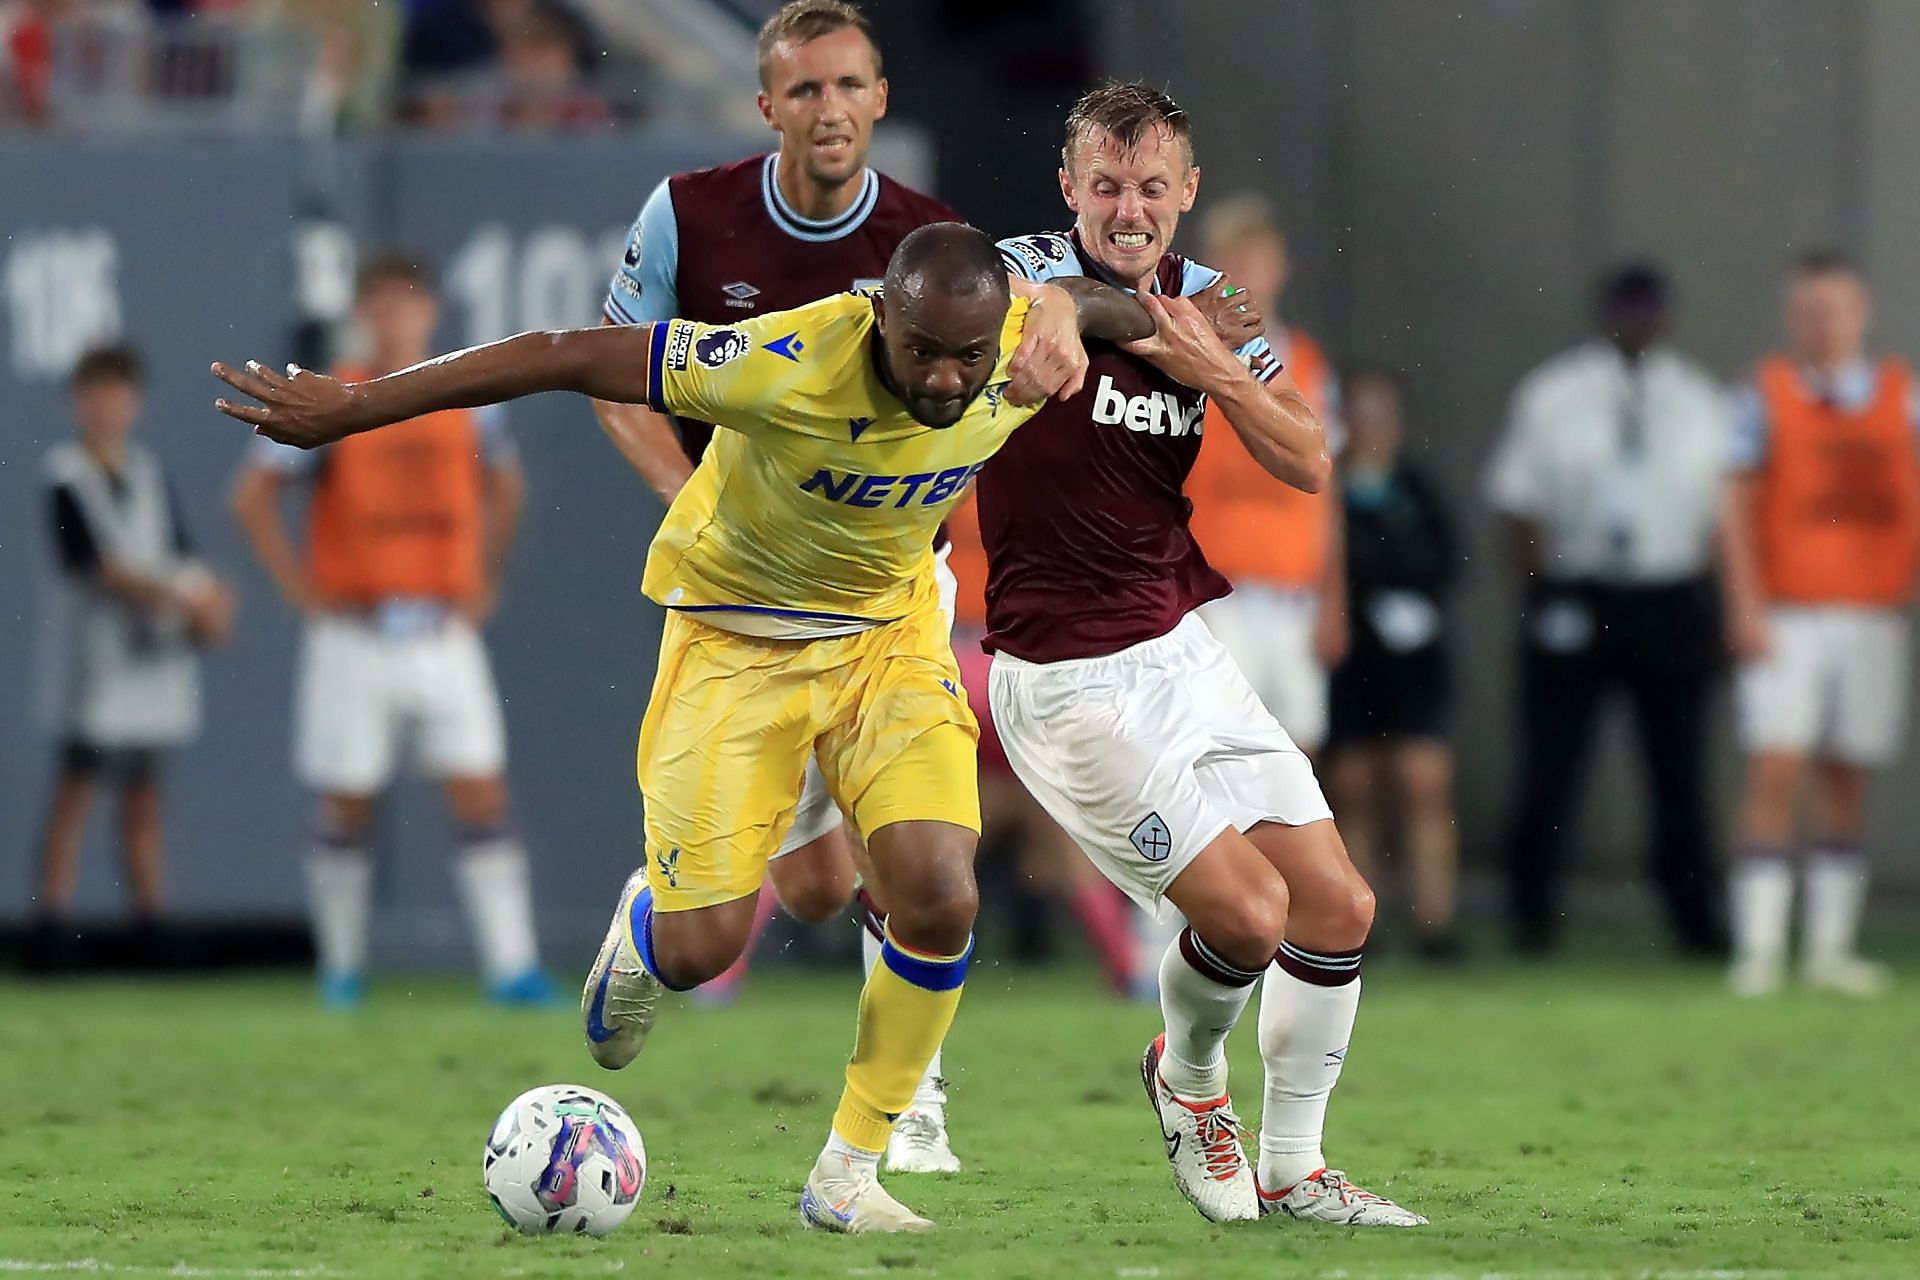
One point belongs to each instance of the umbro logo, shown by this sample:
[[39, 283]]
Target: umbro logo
[[740, 294], [857, 425]]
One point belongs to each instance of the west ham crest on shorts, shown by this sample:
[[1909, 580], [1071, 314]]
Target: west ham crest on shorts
[[1152, 838]]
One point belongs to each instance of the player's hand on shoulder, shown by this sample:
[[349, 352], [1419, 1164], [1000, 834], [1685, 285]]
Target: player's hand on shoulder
[[1051, 359], [1236, 318], [299, 408]]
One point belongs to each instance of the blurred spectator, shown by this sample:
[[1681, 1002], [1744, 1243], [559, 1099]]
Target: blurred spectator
[[408, 532], [131, 604], [518, 63], [1387, 732], [1286, 622], [543, 87], [1823, 542], [352, 82], [27, 29], [1609, 476]]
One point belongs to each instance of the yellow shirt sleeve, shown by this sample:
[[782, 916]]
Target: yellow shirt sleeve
[[750, 376]]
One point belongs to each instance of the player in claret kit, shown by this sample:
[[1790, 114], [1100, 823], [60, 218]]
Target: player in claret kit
[[797, 568], [1129, 721], [719, 245]]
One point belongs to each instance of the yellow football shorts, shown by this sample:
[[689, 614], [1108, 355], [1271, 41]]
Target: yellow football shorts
[[724, 746]]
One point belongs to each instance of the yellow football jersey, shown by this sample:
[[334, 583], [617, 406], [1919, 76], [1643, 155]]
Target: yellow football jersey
[[814, 514]]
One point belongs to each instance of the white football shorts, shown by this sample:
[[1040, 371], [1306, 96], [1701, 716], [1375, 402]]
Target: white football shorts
[[365, 696], [1147, 755], [1833, 685]]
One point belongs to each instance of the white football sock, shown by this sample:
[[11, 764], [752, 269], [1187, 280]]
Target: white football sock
[[494, 888], [1201, 997], [930, 1094], [339, 897], [838, 1148], [1304, 1031], [1836, 896], [1762, 895]]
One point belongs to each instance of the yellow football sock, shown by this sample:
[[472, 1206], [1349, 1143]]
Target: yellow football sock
[[905, 1010]]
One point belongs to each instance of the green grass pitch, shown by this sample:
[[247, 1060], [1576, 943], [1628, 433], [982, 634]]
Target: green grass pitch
[[1603, 1119]]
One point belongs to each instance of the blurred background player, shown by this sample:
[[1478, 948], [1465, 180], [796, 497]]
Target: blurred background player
[[130, 605], [1285, 622], [764, 234], [1387, 749], [407, 536], [1823, 537], [1609, 477]]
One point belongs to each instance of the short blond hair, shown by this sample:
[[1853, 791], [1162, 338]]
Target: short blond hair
[[1128, 111], [1237, 220], [803, 20]]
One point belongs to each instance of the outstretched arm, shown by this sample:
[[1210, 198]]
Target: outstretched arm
[[307, 409]]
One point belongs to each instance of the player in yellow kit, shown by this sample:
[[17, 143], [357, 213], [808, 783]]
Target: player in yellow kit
[[797, 569]]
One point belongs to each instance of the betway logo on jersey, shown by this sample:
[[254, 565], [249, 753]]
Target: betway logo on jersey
[[928, 488], [1157, 413]]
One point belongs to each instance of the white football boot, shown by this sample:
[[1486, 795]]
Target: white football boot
[[918, 1143], [1203, 1146], [1327, 1196], [621, 998], [842, 1196], [1847, 975]]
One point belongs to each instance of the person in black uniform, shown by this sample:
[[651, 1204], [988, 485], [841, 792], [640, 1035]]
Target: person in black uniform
[[1388, 704]]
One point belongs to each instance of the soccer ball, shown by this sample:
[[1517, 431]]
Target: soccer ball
[[564, 1160]]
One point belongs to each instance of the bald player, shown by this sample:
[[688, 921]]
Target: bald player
[[797, 569]]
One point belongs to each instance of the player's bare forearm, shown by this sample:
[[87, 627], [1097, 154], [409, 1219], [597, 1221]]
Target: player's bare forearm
[[307, 410], [650, 445], [136, 588], [1105, 312], [1278, 426]]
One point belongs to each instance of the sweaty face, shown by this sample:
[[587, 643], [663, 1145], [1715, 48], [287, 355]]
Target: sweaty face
[[1827, 317], [398, 318], [1129, 202], [940, 350], [104, 411], [822, 98]]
